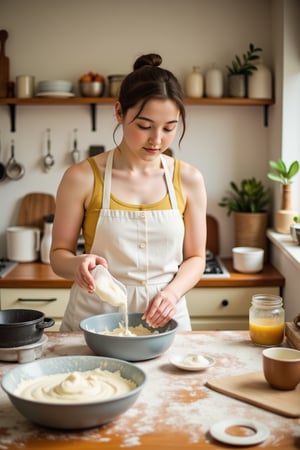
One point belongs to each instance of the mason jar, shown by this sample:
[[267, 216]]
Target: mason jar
[[266, 320]]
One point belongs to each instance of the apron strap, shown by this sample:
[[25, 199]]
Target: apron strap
[[107, 180], [170, 186]]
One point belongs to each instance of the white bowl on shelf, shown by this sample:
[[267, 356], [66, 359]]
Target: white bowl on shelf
[[55, 86]]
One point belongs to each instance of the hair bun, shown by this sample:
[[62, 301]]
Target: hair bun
[[151, 59]]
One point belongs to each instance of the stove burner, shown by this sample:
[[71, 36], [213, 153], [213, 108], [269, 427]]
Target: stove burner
[[6, 267], [214, 267]]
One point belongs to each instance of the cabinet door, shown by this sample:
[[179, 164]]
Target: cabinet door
[[52, 302], [222, 308]]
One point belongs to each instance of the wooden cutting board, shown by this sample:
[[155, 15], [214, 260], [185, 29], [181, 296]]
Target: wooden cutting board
[[4, 65], [293, 335], [34, 206], [252, 388]]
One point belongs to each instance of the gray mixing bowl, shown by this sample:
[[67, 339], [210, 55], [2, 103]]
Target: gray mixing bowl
[[130, 348], [72, 415]]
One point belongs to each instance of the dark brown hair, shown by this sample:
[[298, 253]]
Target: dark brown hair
[[147, 82]]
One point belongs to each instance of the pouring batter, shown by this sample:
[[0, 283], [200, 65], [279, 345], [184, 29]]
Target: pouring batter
[[142, 213]]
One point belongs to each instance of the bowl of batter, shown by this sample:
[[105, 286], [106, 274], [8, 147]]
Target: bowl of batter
[[127, 337], [73, 392]]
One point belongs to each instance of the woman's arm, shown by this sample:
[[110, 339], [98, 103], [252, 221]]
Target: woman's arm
[[163, 306], [73, 196]]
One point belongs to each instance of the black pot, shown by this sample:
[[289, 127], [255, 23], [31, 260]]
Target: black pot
[[20, 327]]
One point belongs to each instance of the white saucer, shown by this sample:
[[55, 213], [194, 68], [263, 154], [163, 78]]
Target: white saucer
[[188, 361], [24, 353], [55, 94], [218, 431]]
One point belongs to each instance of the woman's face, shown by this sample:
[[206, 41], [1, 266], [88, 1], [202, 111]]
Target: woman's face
[[152, 131]]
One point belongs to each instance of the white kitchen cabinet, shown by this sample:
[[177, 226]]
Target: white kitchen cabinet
[[223, 308], [52, 302]]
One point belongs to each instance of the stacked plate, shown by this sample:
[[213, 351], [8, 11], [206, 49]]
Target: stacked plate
[[54, 88]]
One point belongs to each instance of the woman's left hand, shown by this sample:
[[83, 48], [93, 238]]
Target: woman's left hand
[[161, 309]]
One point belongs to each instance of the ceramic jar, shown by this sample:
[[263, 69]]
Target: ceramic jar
[[214, 85], [114, 86], [194, 85], [24, 86], [260, 82]]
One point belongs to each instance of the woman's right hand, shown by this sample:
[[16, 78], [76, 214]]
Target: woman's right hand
[[82, 272]]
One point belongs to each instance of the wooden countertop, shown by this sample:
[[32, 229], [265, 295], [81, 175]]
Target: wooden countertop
[[174, 411], [39, 275], [268, 277]]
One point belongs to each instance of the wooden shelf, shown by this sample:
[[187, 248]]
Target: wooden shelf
[[94, 101]]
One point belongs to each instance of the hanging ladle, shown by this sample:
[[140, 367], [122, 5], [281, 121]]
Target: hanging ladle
[[48, 159], [2, 166], [75, 152], [14, 170]]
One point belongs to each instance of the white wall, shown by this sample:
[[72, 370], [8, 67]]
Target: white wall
[[63, 39]]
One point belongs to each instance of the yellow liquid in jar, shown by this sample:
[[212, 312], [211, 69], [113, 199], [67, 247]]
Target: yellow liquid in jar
[[266, 332]]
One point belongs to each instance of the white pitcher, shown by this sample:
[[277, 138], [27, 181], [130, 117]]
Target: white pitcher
[[23, 243]]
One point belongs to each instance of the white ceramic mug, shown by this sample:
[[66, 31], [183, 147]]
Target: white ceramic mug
[[23, 243], [24, 86]]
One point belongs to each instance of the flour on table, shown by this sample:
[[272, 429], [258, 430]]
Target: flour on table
[[172, 398]]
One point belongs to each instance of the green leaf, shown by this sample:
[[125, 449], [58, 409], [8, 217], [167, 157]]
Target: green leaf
[[274, 177], [293, 170]]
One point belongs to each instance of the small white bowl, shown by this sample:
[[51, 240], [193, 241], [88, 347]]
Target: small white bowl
[[192, 361], [248, 259]]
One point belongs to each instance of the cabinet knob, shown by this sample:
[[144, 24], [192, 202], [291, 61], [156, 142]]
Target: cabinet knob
[[225, 302]]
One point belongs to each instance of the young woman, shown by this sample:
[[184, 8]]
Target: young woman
[[142, 213]]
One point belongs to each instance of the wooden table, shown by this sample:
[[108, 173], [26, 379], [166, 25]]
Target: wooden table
[[174, 411]]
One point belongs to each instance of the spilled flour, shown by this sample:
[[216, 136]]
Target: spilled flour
[[173, 403]]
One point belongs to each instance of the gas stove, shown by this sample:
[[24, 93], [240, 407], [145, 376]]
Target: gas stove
[[214, 267], [6, 267]]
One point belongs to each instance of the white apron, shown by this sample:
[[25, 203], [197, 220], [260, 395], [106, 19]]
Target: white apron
[[143, 250]]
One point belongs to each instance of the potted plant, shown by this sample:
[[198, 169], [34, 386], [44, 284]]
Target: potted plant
[[295, 225], [284, 175], [249, 204], [240, 69]]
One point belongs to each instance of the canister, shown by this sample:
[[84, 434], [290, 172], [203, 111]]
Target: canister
[[24, 86], [266, 319], [194, 85], [23, 243], [115, 82]]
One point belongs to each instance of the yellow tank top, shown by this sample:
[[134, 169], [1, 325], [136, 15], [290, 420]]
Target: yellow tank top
[[94, 208]]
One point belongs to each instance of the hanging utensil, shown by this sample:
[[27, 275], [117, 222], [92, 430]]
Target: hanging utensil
[[48, 159], [4, 65], [75, 152], [2, 166], [14, 169]]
